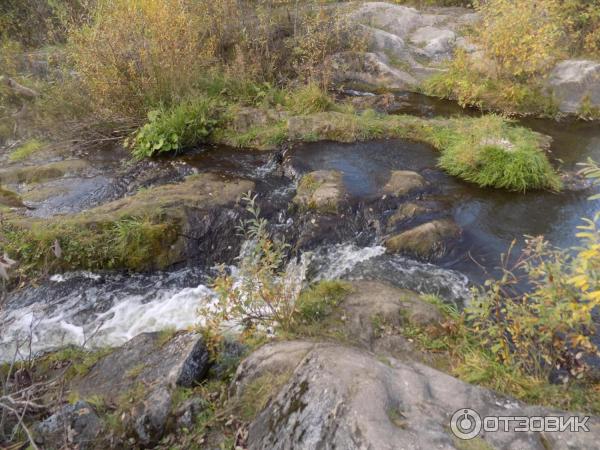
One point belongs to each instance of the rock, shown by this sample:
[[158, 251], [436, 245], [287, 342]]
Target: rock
[[341, 397], [149, 418], [145, 360], [322, 190], [246, 118], [436, 42], [78, 424], [426, 241], [187, 412], [576, 85], [402, 182], [370, 69], [44, 172], [405, 46], [386, 103], [371, 302], [395, 19], [406, 211], [193, 217]]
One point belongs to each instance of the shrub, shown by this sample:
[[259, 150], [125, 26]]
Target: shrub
[[173, 129], [524, 40], [492, 153], [263, 291], [138, 54]]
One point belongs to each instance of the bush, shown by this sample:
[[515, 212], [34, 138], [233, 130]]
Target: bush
[[263, 292], [138, 54], [173, 129], [493, 153], [523, 41]]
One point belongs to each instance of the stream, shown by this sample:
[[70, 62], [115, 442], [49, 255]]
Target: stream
[[101, 309]]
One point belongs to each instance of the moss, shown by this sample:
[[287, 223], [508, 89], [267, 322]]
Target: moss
[[476, 443], [78, 360], [38, 174], [140, 232], [9, 199], [320, 299], [165, 336], [257, 394], [26, 150]]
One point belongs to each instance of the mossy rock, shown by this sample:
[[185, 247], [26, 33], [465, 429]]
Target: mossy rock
[[403, 182], [322, 190], [150, 230], [426, 241], [10, 199], [406, 211], [38, 174]]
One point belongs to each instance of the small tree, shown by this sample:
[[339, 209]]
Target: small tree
[[262, 292]]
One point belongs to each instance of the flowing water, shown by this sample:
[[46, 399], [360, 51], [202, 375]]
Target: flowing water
[[110, 308]]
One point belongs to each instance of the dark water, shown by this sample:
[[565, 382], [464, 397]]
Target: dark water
[[490, 218]]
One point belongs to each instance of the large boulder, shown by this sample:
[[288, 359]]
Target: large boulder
[[576, 85], [426, 241], [333, 396], [405, 46]]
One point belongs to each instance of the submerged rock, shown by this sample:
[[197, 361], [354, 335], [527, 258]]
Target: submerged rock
[[406, 211], [426, 241], [576, 85], [340, 397], [322, 190]]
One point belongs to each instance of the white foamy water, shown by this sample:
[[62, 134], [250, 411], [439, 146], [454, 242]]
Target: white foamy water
[[83, 308], [109, 309]]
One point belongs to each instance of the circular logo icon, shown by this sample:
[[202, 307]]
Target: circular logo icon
[[465, 424]]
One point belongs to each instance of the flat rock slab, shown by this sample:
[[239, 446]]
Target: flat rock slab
[[342, 397], [145, 359]]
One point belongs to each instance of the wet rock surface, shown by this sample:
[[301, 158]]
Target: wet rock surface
[[322, 190]]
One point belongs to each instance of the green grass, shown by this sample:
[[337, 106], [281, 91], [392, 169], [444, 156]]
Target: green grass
[[320, 299], [493, 153], [308, 99], [27, 149]]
